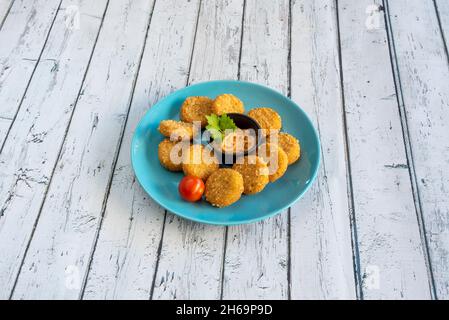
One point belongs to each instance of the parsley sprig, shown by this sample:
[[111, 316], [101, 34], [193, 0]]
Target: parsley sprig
[[217, 125]]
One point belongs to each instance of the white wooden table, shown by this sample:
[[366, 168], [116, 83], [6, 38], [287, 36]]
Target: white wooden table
[[77, 75]]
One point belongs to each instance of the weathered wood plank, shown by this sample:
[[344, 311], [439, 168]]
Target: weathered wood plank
[[23, 37], [4, 126], [392, 261], [321, 251], [256, 258], [217, 45], [5, 6], [125, 258], [31, 149], [191, 260], [423, 71], [56, 262]]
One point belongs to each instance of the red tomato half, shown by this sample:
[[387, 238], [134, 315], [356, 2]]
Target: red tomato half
[[191, 188]]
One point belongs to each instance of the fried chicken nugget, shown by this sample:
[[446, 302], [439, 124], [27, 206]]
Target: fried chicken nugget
[[196, 109], [177, 130], [199, 162], [267, 118], [227, 103], [291, 146], [170, 154], [276, 159], [255, 173], [224, 187]]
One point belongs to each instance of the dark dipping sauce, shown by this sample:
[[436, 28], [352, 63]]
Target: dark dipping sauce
[[241, 142]]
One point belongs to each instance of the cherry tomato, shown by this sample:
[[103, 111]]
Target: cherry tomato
[[191, 188]]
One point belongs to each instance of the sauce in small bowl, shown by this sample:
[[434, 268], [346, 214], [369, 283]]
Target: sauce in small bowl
[[240, 142]]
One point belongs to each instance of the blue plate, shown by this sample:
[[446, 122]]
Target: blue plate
[[162, 185]]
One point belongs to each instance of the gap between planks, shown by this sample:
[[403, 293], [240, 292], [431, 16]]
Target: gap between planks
[[6, 14], [350, 189], [408, 146], [289, 210], [440, 26]]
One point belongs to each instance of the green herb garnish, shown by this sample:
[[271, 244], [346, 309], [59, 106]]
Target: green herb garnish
[[217, 125]]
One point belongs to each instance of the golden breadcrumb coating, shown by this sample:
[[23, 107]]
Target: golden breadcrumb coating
[[172, 162], [276, 159], [255, 173], [267, 118], [199, 162], [224, 187], [196, 109], [177, 130], [290, 145], [227, 103]]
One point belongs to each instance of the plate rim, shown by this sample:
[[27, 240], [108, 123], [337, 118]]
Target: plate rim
[[239, 222]]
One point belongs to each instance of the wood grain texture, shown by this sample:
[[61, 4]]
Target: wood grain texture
[[32, 147], [191, 259], [74, 222], [423, 72], [59, 252], [256, 256], [392, 261], [4, 126], [321, 251], [125, 258], [23, 36], [217, 44]]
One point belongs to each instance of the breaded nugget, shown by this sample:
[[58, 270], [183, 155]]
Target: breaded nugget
[[227, 103], [224, 187], [196, 109], [276, 159], [199, 162], [290, 145], [177, 130], [267, 118], [255, 173], [170, 154]]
